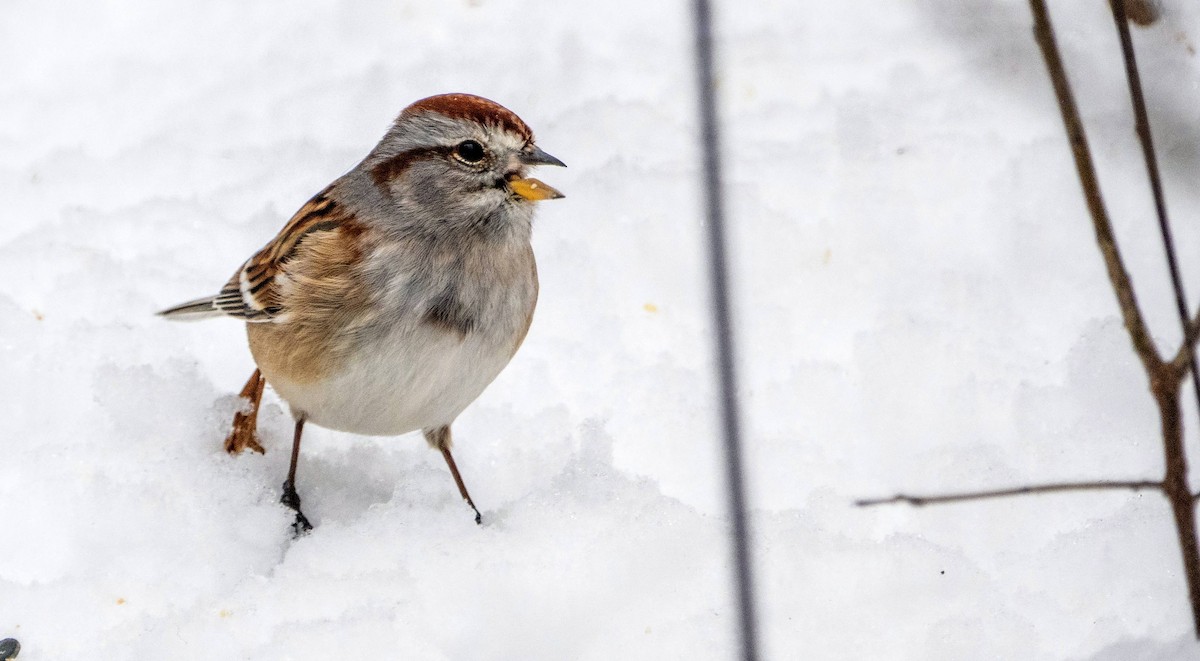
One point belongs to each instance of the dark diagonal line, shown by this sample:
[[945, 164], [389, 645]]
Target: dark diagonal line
[[719, 276]]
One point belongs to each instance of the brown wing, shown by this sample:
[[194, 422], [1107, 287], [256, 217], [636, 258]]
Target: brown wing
[[255, 292]]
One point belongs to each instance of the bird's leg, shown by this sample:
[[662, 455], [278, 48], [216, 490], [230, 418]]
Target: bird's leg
[[439, 439], [245, 424], [290, 497]]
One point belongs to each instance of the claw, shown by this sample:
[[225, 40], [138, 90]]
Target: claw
[[291, 500]]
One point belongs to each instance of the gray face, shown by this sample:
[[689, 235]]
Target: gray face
[[454, 172]]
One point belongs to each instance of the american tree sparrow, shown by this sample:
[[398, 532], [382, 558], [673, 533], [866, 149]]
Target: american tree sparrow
[[396, 295]]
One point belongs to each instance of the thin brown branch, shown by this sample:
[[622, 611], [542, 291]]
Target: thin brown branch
[[1175, 486], [1098, 485], [1165, 378], [1175, 482], [1142, 125], [1183, 358], [1143, 344]]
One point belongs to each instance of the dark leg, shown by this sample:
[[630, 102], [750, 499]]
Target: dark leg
[[290, 497], [439, 439], [244, 435]]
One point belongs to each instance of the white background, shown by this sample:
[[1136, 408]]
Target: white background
[[920, 306]]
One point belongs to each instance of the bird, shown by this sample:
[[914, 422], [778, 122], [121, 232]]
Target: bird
[[393, 297]]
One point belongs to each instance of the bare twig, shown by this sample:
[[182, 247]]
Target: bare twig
[[1142, 120], [1183, 358], [1143, 344], [1100, 485], [1165, 378], [1165, 382]]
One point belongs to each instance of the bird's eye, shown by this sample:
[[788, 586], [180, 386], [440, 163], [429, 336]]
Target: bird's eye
[[470, 151]]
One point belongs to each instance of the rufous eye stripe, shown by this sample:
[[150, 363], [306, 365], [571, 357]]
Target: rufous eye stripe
[[393, 167]]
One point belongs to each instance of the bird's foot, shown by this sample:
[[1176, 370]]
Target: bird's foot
[[242, 437], [245, 422], [301, 526], [291, 499]]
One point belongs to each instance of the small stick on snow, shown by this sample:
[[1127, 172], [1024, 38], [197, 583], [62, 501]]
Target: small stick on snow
[[938, 499]]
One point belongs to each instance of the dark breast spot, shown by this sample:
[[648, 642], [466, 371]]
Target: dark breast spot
[[447, 313]]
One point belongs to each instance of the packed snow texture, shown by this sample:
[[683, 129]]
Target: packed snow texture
[[920, 307]]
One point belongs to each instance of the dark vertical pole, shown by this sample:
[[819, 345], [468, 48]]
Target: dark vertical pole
[[722, 322]]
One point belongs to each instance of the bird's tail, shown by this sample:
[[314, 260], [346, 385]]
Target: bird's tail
[[200, 308]]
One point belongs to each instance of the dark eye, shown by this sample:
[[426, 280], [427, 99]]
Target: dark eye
[[470, 151]]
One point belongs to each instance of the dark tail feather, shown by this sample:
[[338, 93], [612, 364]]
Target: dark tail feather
[[197, 309]]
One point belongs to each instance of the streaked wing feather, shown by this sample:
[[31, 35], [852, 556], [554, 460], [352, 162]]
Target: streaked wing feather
[[197, 309], [254, 292]]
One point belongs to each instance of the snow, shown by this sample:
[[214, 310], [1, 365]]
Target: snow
[[921, 307]]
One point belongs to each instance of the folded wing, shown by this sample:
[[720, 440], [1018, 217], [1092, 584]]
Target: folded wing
[[256, 292]]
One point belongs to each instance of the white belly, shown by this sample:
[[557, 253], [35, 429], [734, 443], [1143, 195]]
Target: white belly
[[411, 379]]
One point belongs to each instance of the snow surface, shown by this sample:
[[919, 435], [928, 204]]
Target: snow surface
[[920, 302]]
